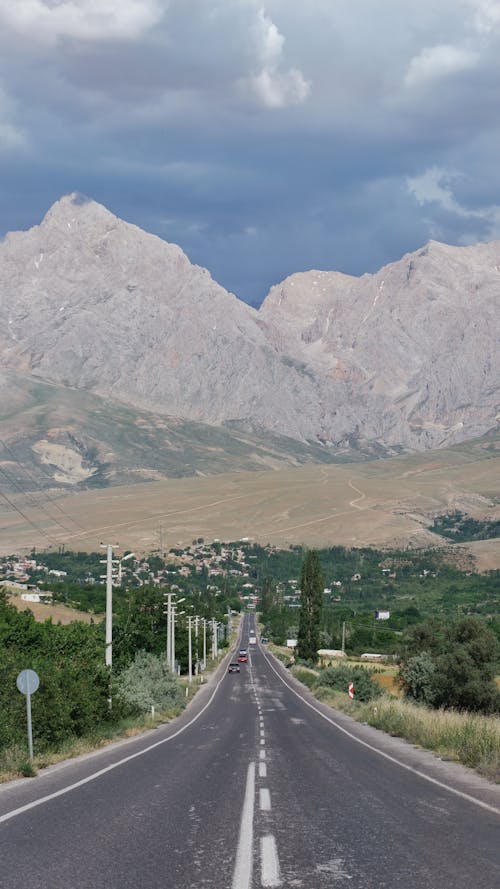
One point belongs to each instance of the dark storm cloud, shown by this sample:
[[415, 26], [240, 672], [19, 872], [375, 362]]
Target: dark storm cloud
[[263, 137]]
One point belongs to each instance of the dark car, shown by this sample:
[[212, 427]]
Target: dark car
[[234, 667]]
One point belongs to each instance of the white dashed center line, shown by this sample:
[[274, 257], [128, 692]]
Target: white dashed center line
[[264, 799], [262, 770], [269, 862]]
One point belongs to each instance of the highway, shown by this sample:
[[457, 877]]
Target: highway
[[255, 785]]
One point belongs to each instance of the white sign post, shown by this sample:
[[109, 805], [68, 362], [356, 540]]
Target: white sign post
[[27, 683]]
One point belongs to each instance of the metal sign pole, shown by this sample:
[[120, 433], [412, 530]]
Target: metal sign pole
[[27, 683], [30, 730]]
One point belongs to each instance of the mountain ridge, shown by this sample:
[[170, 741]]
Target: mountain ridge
[[405, 358]]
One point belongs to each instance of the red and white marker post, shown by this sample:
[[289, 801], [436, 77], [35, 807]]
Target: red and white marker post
[[350, 690]]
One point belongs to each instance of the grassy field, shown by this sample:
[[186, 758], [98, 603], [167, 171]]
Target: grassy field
[[381, 502]]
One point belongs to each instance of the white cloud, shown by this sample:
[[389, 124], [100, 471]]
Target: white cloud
[[272, 86], [435, 187], [439, 61], [486, 16], [48, 20]]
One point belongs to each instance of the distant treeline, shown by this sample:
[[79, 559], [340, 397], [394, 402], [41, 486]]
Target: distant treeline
[[462, 528]]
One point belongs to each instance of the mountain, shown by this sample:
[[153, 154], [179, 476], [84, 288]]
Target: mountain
[[404, 359], [416, 344]]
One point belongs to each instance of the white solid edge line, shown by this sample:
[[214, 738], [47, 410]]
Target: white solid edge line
[[45, 799], [403, 765], [269, 862], [242, 876]]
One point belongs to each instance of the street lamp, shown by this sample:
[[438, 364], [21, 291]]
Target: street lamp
[[170, 612], [174, 613], [120, 563]]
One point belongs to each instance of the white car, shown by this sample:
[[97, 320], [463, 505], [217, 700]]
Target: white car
[[252, 640]]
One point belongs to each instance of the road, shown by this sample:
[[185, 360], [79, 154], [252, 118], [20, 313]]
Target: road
[[255, 785]]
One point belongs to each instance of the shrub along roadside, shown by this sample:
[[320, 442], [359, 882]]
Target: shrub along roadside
[[468, 738]]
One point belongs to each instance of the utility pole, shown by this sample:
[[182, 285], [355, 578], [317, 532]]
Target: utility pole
[[168, 612], [204, 643], [343, 637], [190, 652], [197, 659], [171, 613], [109, 603], [172, 639], [214, 639]]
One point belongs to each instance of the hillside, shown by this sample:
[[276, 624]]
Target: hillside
[[381, 502]]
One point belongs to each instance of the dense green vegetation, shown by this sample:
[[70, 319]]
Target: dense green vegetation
[[75, 685], [74, 688], [451, 665], [461, 528], [411, 585]]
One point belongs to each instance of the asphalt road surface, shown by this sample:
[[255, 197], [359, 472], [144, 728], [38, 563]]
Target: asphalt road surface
[[255, 785]]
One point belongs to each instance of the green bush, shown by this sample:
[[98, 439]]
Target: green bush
[[339, 678], [147, 683], [418, 678]]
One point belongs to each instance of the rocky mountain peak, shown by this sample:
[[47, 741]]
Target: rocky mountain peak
[[406, 357]]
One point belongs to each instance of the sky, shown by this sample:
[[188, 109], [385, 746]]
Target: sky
[[265, 138]]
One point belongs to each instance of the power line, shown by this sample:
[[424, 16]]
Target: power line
[[27, 519], [33, 502], [43, 491]]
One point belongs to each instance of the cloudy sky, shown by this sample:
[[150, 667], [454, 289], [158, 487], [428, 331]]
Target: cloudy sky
[[263, 136]]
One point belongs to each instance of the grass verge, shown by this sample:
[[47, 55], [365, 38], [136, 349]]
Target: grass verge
[[468, 738], [14, 763]]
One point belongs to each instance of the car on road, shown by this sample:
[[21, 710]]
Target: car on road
[[234, 667], [243, 656], [253, 640]]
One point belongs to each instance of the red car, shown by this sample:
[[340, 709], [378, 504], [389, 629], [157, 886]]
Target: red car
[[243, 656]]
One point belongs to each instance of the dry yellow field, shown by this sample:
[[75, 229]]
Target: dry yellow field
[[382, 502], [59, 614]]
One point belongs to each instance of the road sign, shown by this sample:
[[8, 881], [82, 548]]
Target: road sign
[[28, 682], [350, 690]]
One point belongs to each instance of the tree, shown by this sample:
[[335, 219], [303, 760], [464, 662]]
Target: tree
[[311, 589], [417, 678], [452, 666]]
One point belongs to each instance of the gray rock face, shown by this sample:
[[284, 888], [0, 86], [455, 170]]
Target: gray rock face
[[407, 357]]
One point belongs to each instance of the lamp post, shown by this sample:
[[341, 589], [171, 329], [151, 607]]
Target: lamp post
[[170, 612], [197, 659], [120, 563], [190, 651], [204, 620], [214, 638], [109, 562], [172, 643]]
